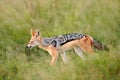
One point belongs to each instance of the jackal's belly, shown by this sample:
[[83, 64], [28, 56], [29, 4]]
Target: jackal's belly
[[68, 46]]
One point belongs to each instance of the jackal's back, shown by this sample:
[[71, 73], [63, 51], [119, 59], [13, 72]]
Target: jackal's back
[[63, 39], [69, 37]]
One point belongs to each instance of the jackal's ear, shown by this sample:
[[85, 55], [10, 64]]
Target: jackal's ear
[[32, 32], [37, 33]]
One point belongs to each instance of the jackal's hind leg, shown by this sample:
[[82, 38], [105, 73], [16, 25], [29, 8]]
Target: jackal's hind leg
[[63, 56], [79, 51], [86, 45]]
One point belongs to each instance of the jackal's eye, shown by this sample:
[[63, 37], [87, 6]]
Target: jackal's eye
[[31, 41]]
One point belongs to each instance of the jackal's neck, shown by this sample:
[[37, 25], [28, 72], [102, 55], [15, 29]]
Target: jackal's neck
[[41, 44]]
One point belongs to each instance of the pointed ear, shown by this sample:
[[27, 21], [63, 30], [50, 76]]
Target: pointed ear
[[32, 32], [37, 33]]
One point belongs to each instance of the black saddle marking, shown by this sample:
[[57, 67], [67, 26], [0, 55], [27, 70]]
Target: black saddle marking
[[61, 40]]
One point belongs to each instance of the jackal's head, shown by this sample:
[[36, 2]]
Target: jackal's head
[[34, 41]]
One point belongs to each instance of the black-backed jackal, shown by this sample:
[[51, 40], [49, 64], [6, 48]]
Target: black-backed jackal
[[58, 45]]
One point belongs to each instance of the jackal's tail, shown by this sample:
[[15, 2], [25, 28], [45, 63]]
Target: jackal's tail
[[99, 46]]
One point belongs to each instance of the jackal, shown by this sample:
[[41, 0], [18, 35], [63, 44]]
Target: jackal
[[59, 44]]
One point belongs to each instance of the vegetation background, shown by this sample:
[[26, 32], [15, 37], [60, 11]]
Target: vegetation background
[[98, 18]]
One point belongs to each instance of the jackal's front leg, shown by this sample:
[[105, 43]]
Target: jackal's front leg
[[53, 52], [63, 56], [54, 58]]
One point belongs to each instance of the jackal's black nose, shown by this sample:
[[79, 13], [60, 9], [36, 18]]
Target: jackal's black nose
[[27, 47]]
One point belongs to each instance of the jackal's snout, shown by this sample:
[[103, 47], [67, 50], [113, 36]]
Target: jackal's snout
[[28, 46]]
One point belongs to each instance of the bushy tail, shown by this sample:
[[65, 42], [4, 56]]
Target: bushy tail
[[99, 45]]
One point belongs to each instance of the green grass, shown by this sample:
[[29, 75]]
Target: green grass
[[98, 18]]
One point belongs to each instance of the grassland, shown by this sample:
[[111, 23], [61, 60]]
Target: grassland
[[98, 18]]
